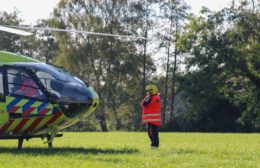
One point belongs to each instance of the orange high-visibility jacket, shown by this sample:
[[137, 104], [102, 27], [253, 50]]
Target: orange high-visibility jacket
[[28, 89], [152, 111]]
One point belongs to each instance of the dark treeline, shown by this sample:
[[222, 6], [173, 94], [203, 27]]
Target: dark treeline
[[207, 67]]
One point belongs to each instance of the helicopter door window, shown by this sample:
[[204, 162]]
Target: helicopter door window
[[53, 87], [20, 83]]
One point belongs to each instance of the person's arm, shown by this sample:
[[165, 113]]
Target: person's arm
[[147, 101]]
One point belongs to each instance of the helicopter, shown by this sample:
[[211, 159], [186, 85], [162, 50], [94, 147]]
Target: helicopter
[[38, 100]]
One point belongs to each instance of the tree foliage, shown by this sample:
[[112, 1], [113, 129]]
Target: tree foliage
[[9, 42], [224, 56], [110, 64]]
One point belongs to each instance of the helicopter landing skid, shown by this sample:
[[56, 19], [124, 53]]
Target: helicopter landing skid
[[27, 137]]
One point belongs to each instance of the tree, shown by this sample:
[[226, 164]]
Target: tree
[[110, 64], [141, 17], [224, 57], [9, 42], [174, 12]]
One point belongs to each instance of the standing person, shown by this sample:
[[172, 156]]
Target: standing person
[[151, 115]]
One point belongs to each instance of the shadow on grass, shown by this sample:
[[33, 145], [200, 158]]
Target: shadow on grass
[[67, 150], [188, 151], [185, 151]]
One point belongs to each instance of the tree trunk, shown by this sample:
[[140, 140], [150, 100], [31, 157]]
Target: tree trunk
[[103, 125], [145, 48], [173, 85], [166, 86], [144, 63], [174, 69], [144, 68], [164, 119]]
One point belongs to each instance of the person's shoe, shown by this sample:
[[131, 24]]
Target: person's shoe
[[154, 147]]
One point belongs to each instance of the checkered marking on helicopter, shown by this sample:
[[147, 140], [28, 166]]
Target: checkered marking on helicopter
[[20, 125], [27, 107]]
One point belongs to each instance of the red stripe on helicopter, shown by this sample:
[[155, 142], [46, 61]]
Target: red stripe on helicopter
[[44, 111], [6, 126], [20, 125], [14, 109], [34, 124], [52, 120], [28, 111]]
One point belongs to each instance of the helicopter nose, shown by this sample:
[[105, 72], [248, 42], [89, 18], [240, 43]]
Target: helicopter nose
[[95, 99], [84, 103], [92, 102]]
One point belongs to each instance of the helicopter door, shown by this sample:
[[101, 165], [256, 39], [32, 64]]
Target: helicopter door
[[3, 114], [25, 96]]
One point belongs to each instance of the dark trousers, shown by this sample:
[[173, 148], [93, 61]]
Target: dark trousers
[[153, 134]]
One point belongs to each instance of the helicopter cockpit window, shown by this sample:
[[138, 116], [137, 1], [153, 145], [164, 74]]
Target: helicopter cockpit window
[[20, 83], [47, 80], [60, 84]]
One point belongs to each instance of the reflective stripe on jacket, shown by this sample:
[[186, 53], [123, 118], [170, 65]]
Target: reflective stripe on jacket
[[152, 111]]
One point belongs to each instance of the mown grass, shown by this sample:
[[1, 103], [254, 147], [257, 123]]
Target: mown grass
[[131, 149]]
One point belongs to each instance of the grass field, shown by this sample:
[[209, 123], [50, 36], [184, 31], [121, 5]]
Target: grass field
[[131, 149]]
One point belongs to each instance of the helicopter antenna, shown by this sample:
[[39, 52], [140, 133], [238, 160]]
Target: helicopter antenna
[[68, 30]]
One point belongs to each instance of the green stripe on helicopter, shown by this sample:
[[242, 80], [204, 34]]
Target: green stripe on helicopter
[[7, 58], [42, 123], [13, 125], [26, 126]]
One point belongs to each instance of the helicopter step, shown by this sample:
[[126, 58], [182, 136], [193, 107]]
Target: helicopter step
[[21, 139]]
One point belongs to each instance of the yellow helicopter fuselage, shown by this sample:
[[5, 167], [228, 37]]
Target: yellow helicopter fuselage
[[52, 100]]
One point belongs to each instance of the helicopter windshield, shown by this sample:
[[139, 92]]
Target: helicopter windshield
[[60, 83]]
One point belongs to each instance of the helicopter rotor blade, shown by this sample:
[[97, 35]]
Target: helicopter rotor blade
[[76, 31], [14, 31]]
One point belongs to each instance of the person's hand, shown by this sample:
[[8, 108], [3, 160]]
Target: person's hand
[[148, 94], [19, 92]]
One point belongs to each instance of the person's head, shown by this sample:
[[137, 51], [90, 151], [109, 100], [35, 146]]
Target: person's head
[[24, 79], [152, 89]]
